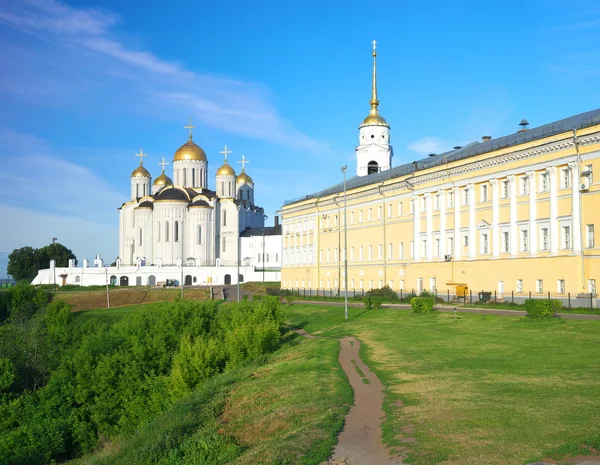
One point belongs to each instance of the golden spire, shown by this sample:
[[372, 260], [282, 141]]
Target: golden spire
[[374, 102], [190, 127]]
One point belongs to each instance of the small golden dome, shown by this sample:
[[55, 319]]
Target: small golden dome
[[377, 120], [243, 178], [140, 172], [162, 180], [190, 151], [225, 170]]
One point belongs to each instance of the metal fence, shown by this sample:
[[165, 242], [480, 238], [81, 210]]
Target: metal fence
[[471, 297]]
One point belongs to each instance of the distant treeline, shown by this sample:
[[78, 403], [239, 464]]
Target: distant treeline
[[68, 382]]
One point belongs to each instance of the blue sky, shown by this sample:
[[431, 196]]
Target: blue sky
[[85, 84]]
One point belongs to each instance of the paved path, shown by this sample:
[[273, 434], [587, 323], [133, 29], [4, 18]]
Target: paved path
[[445, 308], [360, 441]]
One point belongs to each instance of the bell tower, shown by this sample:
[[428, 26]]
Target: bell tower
[[374, 152]]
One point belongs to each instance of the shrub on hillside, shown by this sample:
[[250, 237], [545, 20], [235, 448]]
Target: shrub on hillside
[[377, 301], [542, 308], [421, 304], [368, 302]]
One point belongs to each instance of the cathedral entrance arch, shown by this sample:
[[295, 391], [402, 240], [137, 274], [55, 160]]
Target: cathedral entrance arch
[[188, 280], [372, 167], [227, 279], [138, 280], [113, 280], [124, 281], [151, 280]]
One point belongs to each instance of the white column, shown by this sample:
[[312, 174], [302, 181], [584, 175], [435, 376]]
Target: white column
[[472, 225], [533, 233], [457, 238], [442, 203], [416, 228], [554, 232], [429, 223], [576, 201], [512, 185], [495, 216]]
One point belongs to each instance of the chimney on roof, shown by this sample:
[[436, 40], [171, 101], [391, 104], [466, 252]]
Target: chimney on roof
[[457, 147], [524, 125], [486, 138]]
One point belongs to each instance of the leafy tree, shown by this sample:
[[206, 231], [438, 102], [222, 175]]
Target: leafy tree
[[24, 263]]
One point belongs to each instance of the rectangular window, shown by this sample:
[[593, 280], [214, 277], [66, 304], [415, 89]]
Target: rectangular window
[[370, 252], [560, 286], [450, 199], [589, 233], [544, 238], [524, 185], [422, 202], [199, 235], [389, 212], [379, 252], [436, 247], [225, 218], [566, 233], [592, 286], [484, 244], [412, 206], [360, 216], [565, 178], [335, 254], [390, 251], [166, 231], [505, 242], [352, 284], [423, 247], [378, 213], [505, 189], [370, 284], [519, 285], [361, 284], [539, 286], [360, 253], [399, 208], [588, 169], [465, 196], [401, 284], [524, 240], [401, 250], [224, 245], [321, 255], [544, 182], [328, 255], [451, 245], [352, 255], [436, 202], [140, 237], [484, 193], [370, 214], [465, 240]]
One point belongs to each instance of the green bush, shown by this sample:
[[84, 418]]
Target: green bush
[[368, 301], [421, 304], [542, 308], [386, 293], [290, 299], [377, 301], [407, 298]]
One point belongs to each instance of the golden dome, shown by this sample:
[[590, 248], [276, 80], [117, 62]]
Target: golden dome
[[140, 172], [377, 120], [190, 151], [162, 180], [225, 170], [243, 178]]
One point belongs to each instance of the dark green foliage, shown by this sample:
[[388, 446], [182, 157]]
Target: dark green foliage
[[386, 293], [24, 263], [289, 298], [377, 301], [66, 383], [422, 304], [368, 301], [542, 308]]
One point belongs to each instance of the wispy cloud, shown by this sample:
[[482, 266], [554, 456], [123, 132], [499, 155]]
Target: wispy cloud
[[427, 145], [90, 33]]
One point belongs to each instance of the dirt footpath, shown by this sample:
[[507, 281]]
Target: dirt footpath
[[360, 443]]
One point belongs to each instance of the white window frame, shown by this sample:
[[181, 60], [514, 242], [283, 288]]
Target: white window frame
[[589, 236], [560, 286], [484, 193], [519, 286], [539, 286]]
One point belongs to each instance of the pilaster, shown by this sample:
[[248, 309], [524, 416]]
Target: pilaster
[[554, 233], [533, 233], [416, 229], [429, 223], [495, 216], [512, 190], [457, 238], [576, 204], [472, 224], [442, 204]]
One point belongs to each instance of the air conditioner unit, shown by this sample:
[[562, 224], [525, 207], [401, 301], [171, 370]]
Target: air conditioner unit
[[448, 258], [585, 184]]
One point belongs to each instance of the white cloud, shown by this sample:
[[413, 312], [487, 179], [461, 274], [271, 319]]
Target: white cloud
[[227, 104], [427, 145]]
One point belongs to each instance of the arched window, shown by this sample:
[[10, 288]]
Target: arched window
[[166, 231], [229, 184], [137, 190], [193, 177], [140, 237], [184, 178], [225, 218], [372, 167], [199, 234], [176, 231], [222, 189], [158, 232]]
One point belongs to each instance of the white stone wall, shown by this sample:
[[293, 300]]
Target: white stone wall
[[374, 145]]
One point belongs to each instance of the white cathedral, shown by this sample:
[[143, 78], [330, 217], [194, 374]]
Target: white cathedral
[[181, 231]]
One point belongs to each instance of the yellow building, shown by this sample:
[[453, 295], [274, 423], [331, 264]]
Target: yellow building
[[514, 215]]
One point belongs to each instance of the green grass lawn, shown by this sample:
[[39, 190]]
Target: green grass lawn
[[479, 388]]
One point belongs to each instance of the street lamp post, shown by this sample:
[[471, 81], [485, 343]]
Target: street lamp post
[[344, 169], [263, 253], [54, 239]]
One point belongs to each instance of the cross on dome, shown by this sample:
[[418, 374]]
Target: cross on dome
[[243, 161], [141, 155], [225, 152], [190, 126], [163, 163], [374, 45]]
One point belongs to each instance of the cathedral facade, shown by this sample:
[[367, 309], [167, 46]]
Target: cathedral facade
[[513, 215], [167, 222]]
